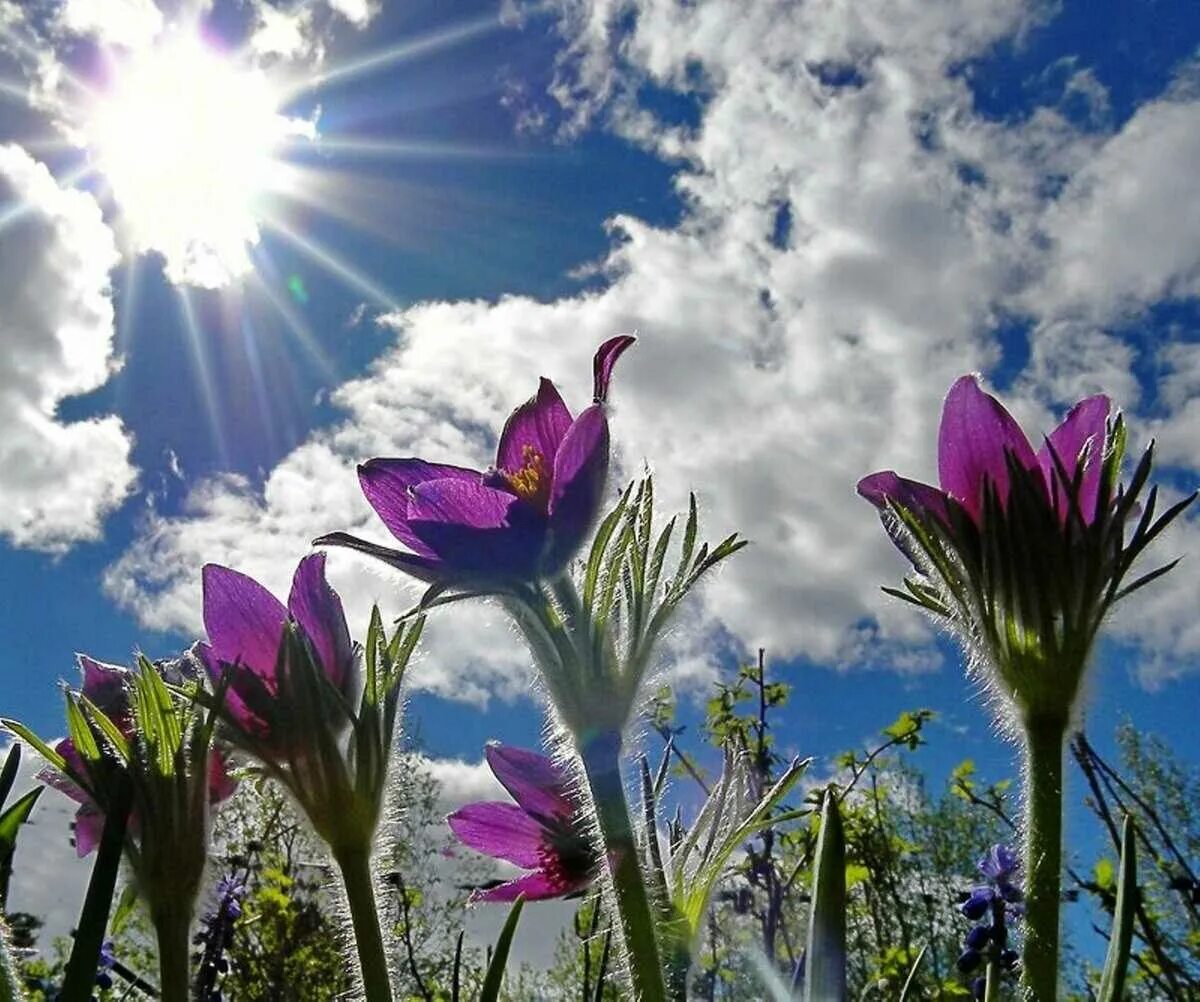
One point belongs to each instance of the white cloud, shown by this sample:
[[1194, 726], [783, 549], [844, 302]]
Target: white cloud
[[772, 373], [129, 23], [56, 330]]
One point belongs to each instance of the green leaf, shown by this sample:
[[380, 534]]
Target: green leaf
[[1104, 873], [911, 981], [1112, 982], [495, 972], [825, 967], [16, 815], [9, 773], [53, 758]]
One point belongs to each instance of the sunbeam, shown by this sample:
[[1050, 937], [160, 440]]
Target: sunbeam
[[333, 264], [408, 149], [409, 49], [196, 344]]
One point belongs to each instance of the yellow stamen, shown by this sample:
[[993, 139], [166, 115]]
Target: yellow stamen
[[531, 482]]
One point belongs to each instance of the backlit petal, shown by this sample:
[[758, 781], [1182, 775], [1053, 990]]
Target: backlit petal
[[500, 830], [1083, 430], [539, 425], [537, 886], [318, 610], [974, 440], [387, 483], [580, 477], [534, 781], [244, 621], [603, 362]]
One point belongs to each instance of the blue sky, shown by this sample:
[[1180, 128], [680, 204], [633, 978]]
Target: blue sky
[[816, 216]]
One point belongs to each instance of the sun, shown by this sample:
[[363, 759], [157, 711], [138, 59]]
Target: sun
[[189, 143]]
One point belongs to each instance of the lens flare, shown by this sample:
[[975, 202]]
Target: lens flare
[[188, 142]]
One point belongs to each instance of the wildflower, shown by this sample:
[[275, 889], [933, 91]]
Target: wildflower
[[293, 679], [998, 903], [542, 832], [246, 627], [216, 936], [1023, 552], [107, 688], [521, 520]]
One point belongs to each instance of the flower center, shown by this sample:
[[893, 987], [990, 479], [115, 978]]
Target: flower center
[[532, 481]]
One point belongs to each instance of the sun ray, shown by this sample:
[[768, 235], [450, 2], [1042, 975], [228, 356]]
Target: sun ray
[[14, 211], [299, 328], [203, 374], [402, 149], [13, 37], [333, 264], [412, 48]]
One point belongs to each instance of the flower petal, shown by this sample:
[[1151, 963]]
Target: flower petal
[[500, 830], [534, 781], [104, 685], [387, 483], [244, 621], [536, 886], [477, 531], [318, 610], [538, 424], [221, 785], [1083, 428], [421, 567], [921, 499], [580, 476], [89, 826], [974, 440], [602, 364]]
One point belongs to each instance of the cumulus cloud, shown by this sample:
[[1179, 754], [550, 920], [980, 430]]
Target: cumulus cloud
[[56, 329], [854, 231]]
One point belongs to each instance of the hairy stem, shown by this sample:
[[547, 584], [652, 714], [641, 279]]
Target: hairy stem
[[1043, 856], [80, 978], [601, 764], [171, 927], [360, 893]]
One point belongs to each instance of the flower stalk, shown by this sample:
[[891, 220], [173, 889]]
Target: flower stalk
[[172, 923], [1043, 855], [355, 867], [600, 758]]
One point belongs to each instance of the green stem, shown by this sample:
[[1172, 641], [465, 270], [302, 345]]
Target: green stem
[[80, 979], [360, 893], [1043, 856], [601, 764], [991, 991], [171, 928]]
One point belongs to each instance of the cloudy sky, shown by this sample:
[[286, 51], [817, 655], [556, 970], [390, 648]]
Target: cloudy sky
[[245, 245]]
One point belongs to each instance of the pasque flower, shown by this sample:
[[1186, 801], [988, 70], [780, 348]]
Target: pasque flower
[[295, 694], [522, 519], [1023, 553], [107, 687], [542, 832], [246, 627]]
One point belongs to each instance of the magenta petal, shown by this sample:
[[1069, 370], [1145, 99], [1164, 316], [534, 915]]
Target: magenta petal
[[424, 568], [318, 610], [918, 498], [580, 475], [602, 365], [1084, 428], [975, 437], [538, 425], [89, 826], [534, 781], [221, 785], [500, 830], [104, 685], [244, 621], [537, 886], [478, 530], [387, 485]]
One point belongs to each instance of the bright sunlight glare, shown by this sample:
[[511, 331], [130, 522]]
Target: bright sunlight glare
[[187, 141]]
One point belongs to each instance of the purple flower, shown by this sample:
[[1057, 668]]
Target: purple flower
[[541, 832], [107, 687], [523, 519], [246, 627], [978, 445]]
